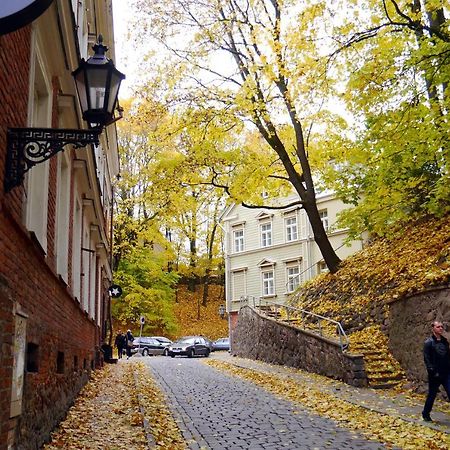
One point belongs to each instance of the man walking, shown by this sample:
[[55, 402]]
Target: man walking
[[120, 344], [436, 355]]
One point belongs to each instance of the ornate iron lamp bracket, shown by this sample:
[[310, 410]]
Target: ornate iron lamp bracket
[[27, 147]]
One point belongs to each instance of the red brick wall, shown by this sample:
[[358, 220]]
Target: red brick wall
[[55, 321], [14, 70]]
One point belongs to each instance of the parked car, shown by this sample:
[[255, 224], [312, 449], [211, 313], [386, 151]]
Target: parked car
[[149, 346], [190, 346], [162, 339], [221, 344]]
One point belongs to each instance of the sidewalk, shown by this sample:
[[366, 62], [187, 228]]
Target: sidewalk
[[389, 402]]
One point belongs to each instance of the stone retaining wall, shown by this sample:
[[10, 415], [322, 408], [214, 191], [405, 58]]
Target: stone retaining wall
[[410, 321], [259, 337]]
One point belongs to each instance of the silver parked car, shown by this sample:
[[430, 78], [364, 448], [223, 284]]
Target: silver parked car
[[221, 344], [149, 346]]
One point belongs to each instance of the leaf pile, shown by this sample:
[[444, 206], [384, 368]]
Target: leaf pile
[[380, 365], [375, 426], [163, 427], [186, 311], [415, 257], [105, 415]]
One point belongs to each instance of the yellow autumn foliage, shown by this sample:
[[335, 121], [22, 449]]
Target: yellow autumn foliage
[[415, 257]]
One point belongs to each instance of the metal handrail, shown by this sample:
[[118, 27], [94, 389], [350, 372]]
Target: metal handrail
[[343, 338]]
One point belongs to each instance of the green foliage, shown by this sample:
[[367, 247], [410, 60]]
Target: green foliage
[[148, 291], [394, 164]]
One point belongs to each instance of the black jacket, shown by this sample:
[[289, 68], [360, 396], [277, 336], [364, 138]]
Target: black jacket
[[436, 355], [120, 341]]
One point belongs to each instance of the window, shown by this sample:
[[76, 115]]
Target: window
[[39, 115], [266, 234], [238, 238], [62, 217], [60, 362], [293, 275], [324, 218], [238, 283], [268, 282], [76, 250], [322, 267], [291, 229], [32, 357]]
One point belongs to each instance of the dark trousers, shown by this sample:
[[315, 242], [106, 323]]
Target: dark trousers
[[433, 388], [120, 351]]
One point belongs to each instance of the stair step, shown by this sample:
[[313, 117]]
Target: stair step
[[385, 379], [383, 385]]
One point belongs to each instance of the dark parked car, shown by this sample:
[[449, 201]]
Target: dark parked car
[[149, 346], [162, 339], [190, 346], [221, 344]]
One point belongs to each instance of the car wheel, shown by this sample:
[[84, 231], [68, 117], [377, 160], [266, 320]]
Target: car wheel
[[166, 352], [190, 353], [208, 351], [171, 355]]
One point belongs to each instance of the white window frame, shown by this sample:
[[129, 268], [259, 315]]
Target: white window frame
[[62, 216], [76, 247], [322, 267], [266, 234], [234, 288], [323, 213], [238, 241], [39, 115], [293, 280], [268, 282], [291, 228]]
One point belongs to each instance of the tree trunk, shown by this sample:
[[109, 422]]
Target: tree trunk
[[320, 237], [192, 282], [206, 288]]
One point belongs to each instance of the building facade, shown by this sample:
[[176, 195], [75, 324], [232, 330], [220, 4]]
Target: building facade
[[55, 227], [270, 252]]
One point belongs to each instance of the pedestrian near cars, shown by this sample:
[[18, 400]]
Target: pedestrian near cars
[[436, 355], [120, 343], [129, 338]]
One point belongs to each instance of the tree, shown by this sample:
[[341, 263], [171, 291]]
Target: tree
[[275, 65], [396, 165], [161, 200], [148, 291]]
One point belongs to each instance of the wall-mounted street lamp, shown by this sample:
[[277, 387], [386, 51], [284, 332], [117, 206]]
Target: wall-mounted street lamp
[[222, 311], [97, 82]]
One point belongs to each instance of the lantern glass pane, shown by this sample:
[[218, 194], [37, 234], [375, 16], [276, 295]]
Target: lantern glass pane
[[80, 83], [116, 79], [96, 79]]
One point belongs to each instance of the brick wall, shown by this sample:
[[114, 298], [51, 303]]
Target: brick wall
[[56, 325], [14, 70]]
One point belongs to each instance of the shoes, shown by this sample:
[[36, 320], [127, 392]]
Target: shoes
[[427, 418]]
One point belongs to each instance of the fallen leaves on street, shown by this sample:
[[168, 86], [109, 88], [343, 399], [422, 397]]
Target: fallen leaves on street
[[107, 413], [375, 426], [163, 427]]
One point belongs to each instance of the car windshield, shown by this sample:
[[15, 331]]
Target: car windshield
[[186, 340]]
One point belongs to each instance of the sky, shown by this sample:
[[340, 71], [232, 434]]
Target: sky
[[123, 48]]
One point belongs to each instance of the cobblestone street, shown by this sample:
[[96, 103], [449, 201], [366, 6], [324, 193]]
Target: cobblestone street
[[218, 411]]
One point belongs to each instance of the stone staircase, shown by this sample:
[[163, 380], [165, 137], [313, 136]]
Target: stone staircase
[[383, 371]]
